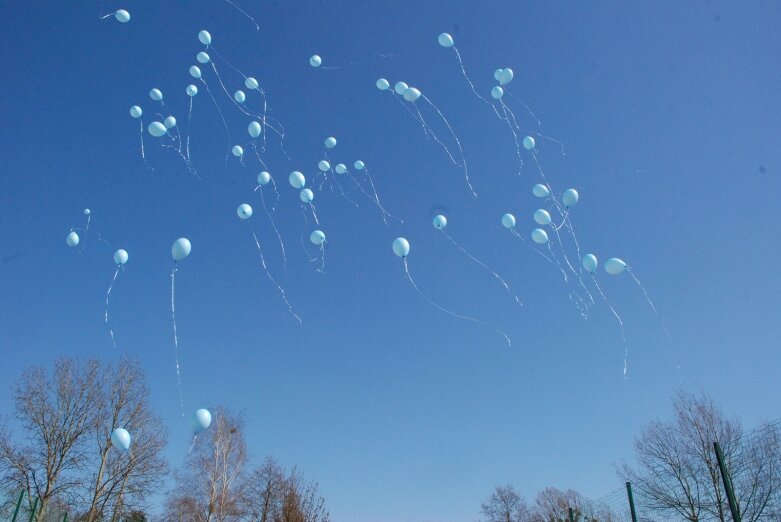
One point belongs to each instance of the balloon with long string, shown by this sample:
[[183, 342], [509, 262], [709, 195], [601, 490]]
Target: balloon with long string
[[179, 251], [136, 113], [363, 171], [316, 62], [401, 248], [244, 211], [298, 181], [590, 264], [264, 178], [615, 266], [87, 212], [508, 221], [440, 223], [120, 259], [446, 40], [201, 421], [120, 15], [317, 238], [167, 130], [307, 200]]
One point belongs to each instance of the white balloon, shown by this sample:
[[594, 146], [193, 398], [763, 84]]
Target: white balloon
[[317, 237], [202, 57], [239, 96], [528, 143], [195, 71], [401, 247], [120, 257], [86, 212], [263, 178], [191, 90], [72, 239], [590, 263], [570, 198], [122, 16], [169, 122], [539, 236], [440, 221], [359, 165], [306, 195], [540, 190], [341, 168], [330, 143], [400, 87], [297, 180], [497, 74], [382, 84], [445, 40], [120, 439], [244, 211], [202, 419], [315, 61], [135, 111], [251, 83], [506, 76], [614, 266], [411, 94], [508, 221], [237, 151], [156, 129], [156, 94], [205, 37], [181, 249], [497, 93], [324, 166], [542, 216], [254, 129]]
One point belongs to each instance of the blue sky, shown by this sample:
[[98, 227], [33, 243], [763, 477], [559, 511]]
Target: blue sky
[[670, 114]]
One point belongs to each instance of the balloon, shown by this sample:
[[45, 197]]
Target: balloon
[[120, 438], [205, 37], [411, 94], [195, 71], [315, 61], [87, 212], [497, 93], [157, 129], [202, 419], [237, 151], [382, 84], [191, 90], [614, 266], [180, 249], [539, 236], [401, 247], [120, 257], [590, 263], [254, 129], [506, 76], [528, 143], [156, 94], [202, 57], [497, 74], [297, 180], [542, 216], [340, 168], [445, 40], [169, 122], [540, 190], [330, 143], [324, 166], [317, 237], [122, 16], [508, 221], [440, 222], [569, 198], [239, 96], [251, 83], [359, 165], [263, 178], [400, 87], [72, 239], [306, 195], [135, 111], [244, 211]]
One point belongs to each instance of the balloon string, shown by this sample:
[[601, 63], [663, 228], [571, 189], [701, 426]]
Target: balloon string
[[445, 310], [176, 338], [271, 278], [458, 142], [540, 253], [558, 263], [528, 109], [108, 294], [274, 226], [356, 62], [189, 126], [225, 124], [195, 437], [651, 303], [141, 136], [473, 258], [620, 322], [385, 213], [86, 229], [515, 136], [257, 27], [466, 76]]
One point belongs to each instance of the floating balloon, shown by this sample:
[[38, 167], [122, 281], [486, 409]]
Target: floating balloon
[[120, 257], [401, 247], [497, 93], [317, 237], [169, 122], [506, 76], [120, 438], [497, 74], [341, 168], [254, 129], [570, 198], [508, 221], [72, 239], [590, 263], [237, 151], [445, 40], [251, 83], [324, 166], [202, 57], [306, 195], [359, 165], [542, 216], [382, 84], [135, 111], [157, 129], [195, 71], [540, 190], [191, 90], [263, 178], [205, 37], [411, 94], [202, 419], [440, 222], [297, 180], [400, 87], [528, 143], [244, 211], [87, 212], [539, 236], [156, 94], [180, 249], [122, 16], [239, 96], [330, 143], [315, 61], [614, 266]]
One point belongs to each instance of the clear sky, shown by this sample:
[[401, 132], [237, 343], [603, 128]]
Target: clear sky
[[671, 116]]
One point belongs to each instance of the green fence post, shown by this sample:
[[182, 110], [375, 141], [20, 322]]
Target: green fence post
[[65, 517], [631, 501], [733, 505], [18, 505], [35, 508], [571, 515]]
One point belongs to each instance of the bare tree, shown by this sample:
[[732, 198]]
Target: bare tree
[[553, 505], [265, 492], [505, 505], [302, 501]]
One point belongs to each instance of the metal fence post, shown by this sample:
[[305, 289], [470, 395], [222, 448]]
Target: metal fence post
[[35, 508], [571, 515], [18, 505], [631, 501], [65, 517], [725, 477]]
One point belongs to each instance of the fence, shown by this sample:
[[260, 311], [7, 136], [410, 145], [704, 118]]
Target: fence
[[18, 507]]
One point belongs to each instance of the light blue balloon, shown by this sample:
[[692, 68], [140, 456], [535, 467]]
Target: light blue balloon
[[156, 129], [306, 195], [202, 57], [237, 151], [324, 166], [506, 76], [540, 190], [497, 74], [239, 96], [317, 237], [440, 221], [383, 84], [195, 71], [254, 129], [251, 83], [508, 221], [315, 61], [401, 247], [120, 257], [330, 143], [264, 178], [615, 266], [570, 198], [400, 87], [156, 94], [191, 90], [411, 94], [244, 211], [445, 40], [169, 122], [86, 212], [341, 168], [590, 263], [359, 165], [528, 143], [181, 249], [120, 438], [297, 180], [205, 37], [497, 93], [202, 419], [122, 16], [72, 239], [135, 111], [539, 236], [542, 216]]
